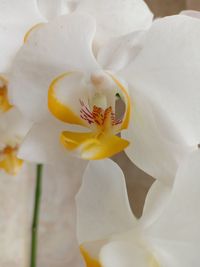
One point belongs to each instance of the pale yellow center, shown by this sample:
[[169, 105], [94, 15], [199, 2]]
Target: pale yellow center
[[97, 114], [153, 262], [4, 103], [92, 262], [9, 161]]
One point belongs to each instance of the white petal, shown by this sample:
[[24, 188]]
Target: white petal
[[123, 254], [156, 201], [17, 17], [42, 144], [13, 126], [58, 244], [176, 233], [117, 17], [60, 46], [70, 90], [102, 203], [184, 204], [155, 146], [166, 72], [51, 8], [170, 253], [118, 52], [191, 13], [15, 201]]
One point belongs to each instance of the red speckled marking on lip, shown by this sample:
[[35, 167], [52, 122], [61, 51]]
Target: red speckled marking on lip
[[98, 115]]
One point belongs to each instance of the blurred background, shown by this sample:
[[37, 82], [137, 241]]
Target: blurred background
[[138, 182]]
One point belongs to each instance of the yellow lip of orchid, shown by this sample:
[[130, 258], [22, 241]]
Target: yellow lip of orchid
[[102, 141], [90, 262], [58, 109], [153, 262], [9, 161], [4, 103]]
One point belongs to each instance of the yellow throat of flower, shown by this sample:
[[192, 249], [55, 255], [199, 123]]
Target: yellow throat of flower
[[4, 103], [96, 114], [153, 262], [90, 262], [9, 161], [8, 155]]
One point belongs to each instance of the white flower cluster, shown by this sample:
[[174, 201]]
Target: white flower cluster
[[81, 81]]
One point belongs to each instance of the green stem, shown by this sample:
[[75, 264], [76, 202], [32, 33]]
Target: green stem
[[38, 191]]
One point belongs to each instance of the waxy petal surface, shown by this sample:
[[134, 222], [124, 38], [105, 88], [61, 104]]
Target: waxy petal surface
[[176, 231], [17, 17], [117, 17], [52, 8], [103, 207], [60, 46], [166, 73]]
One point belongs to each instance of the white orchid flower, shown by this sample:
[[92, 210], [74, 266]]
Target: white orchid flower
[[21, 17], [13, 128], [164, 90], [18, 17], [53, 8], [164, 86], [22, 24], [4, 101], [57, 66], [115, 18], [191, 13], [90, 106], [167, 234]]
